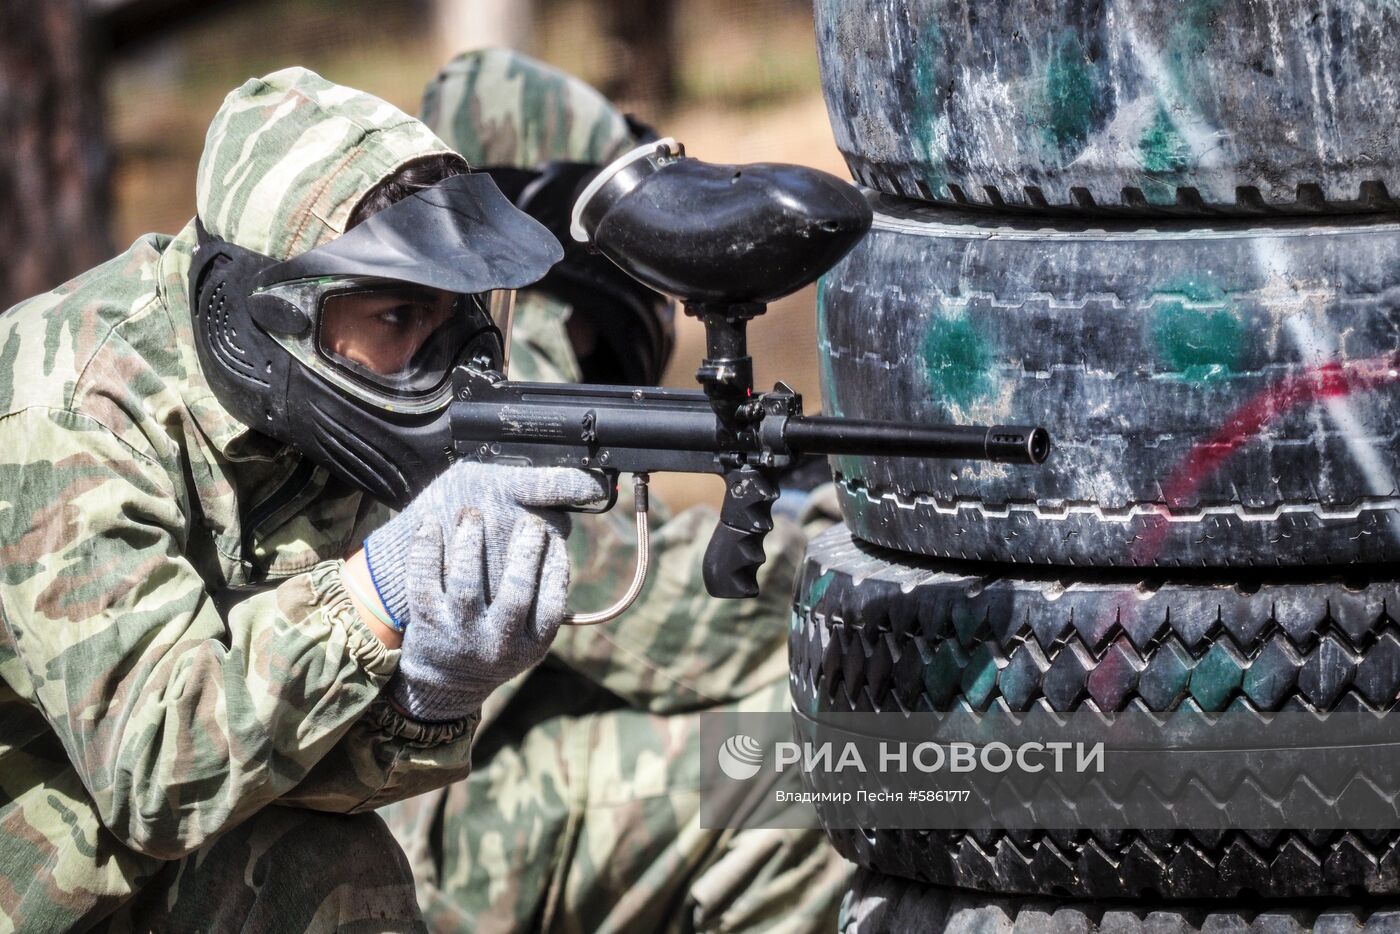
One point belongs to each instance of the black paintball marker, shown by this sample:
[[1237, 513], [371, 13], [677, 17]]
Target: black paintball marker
[[725, 240]]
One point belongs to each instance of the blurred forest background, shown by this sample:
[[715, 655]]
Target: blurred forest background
[[104, 105]]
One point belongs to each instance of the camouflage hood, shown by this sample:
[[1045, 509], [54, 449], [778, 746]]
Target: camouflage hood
[[499, 107], [290, 155]]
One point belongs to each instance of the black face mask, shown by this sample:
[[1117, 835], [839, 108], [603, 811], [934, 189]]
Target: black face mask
[[271, 342]]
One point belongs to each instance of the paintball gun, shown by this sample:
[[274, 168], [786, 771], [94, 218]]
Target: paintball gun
[[726, 240]]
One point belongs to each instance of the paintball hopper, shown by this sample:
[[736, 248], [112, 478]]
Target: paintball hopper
[[718, 234]]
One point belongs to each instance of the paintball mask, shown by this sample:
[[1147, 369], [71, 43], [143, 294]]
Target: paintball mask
[[345, 353], [632, 326]]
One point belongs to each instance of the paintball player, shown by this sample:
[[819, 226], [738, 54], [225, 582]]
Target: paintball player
[[207, 684], [582, 809]]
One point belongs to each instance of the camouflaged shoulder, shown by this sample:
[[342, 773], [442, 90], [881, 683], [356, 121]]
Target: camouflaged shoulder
[[100, 345], [502, 108]]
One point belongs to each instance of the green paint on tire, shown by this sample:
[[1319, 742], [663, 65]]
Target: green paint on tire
[[1070, 97], [929, 101], [1189, 42], [943, 673], [830, 404], [1197, 343], [1216, 678], [1161, 148], [956, 360], [979, 678]]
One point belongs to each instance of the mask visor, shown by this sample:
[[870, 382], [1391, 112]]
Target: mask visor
[[392, 344], [402, 339]]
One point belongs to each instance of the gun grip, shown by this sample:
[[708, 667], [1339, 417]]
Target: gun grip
[[735, 552]]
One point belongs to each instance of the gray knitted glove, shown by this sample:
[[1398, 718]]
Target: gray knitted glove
[[475, 570]]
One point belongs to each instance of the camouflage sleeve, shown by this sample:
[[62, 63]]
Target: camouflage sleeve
[[180, 723], [385, 757]]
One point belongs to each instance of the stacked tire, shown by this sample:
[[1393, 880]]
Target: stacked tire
[[1163, 229]]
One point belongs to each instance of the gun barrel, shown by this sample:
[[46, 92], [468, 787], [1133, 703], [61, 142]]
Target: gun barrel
[[1008, 444]]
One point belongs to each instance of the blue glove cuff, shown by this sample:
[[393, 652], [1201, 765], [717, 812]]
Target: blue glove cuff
[[389, 546]]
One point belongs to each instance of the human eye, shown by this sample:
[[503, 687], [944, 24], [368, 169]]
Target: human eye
[[406, 315]]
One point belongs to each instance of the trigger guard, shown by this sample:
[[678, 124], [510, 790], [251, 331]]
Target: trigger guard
[[608, 504]]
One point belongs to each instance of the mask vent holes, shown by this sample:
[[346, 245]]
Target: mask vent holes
[[223, 334]]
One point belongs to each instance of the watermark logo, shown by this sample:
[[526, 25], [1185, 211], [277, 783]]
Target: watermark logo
[[740, 757], [1046, 770]]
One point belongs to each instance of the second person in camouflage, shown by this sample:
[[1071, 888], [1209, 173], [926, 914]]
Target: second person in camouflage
[[582, 812]]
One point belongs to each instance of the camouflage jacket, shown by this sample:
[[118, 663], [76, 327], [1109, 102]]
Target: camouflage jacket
[[137, 717]]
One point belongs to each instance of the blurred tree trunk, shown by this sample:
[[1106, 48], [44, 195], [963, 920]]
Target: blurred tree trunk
[[54, 196], [460, 25], [645, 31]]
